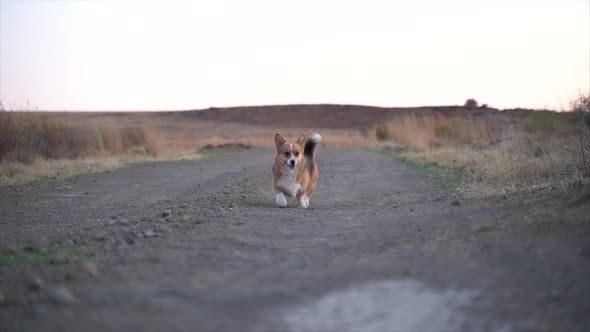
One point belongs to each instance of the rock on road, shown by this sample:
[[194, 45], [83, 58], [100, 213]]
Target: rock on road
[[200, 245]]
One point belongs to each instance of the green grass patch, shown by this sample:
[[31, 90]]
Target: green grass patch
[[544, 121], [449, 177], [216, 153], [135, 163], [37, 256], [34, 256]]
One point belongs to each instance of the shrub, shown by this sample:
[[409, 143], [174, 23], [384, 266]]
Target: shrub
[[471, 104]]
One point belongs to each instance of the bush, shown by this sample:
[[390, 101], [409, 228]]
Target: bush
[[471, 104]]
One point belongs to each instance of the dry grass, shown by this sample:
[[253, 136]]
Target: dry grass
[[581, 108], [499, 152], [34, 144], [425, 131], [17, 173], [513, 164], [27, 136]]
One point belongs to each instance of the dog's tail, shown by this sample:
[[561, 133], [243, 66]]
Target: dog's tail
[[310, 146]]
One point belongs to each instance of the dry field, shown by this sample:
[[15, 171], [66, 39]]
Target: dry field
[[57, 144], [495, 151], [498, 152]]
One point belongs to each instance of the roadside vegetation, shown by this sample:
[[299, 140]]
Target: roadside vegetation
[[498, 151], [484, 150], [32, 144]]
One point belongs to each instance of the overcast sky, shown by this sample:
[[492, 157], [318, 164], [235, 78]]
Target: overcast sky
[[163, 55]]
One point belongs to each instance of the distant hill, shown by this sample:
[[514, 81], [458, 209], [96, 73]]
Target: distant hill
[[319, 115]]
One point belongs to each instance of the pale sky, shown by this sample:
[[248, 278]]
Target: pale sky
[[167, 55]]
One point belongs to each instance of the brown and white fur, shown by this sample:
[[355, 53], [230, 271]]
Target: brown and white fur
[[295, 172]]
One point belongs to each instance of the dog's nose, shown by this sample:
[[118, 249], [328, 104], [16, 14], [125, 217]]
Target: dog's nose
[[292, 162]]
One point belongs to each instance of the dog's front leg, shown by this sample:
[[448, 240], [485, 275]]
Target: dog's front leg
[[281, 200], [303, 201]]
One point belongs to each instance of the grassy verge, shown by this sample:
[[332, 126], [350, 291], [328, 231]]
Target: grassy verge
[[497, 152], [38, 256], [12, 173], [450, 177]]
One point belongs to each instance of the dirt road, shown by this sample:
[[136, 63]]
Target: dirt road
[[200, 246]]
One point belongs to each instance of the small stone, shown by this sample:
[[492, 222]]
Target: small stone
[[149, 233], [163, 229], [101, 237], [35, 284], [9, 249], [411, 210], [124, 221], [129, 239], [63, 187], [166, 213], [61, 295], [455, 202], [90, 268], [69, 276], [59, 259]]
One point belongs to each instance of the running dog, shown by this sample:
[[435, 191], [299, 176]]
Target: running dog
[[295, 172]]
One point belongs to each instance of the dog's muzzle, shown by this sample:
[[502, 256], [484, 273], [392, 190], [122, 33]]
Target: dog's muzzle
[[290, 163]]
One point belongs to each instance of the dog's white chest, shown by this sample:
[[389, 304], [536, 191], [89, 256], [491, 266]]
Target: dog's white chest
[[288, 184]]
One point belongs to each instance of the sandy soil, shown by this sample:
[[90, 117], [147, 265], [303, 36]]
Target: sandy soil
[[200, 245]]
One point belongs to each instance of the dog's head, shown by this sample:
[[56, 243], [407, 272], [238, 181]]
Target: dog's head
[[289, 154]]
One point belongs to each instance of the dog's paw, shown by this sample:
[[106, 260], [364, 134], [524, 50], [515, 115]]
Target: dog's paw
[[281, 200], [303, 201]]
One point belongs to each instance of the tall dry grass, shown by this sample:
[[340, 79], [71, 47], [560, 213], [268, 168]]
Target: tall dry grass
[[425, 131], [27, 136], [581, 108], [499, 151]]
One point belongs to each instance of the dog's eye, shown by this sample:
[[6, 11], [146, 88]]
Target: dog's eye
[[296, 154], [286, 154]]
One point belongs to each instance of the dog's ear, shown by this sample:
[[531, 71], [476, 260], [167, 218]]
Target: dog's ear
[[301, 140], [279, 140]]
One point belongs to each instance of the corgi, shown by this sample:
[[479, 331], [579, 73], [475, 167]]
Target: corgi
[[295, 172]]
